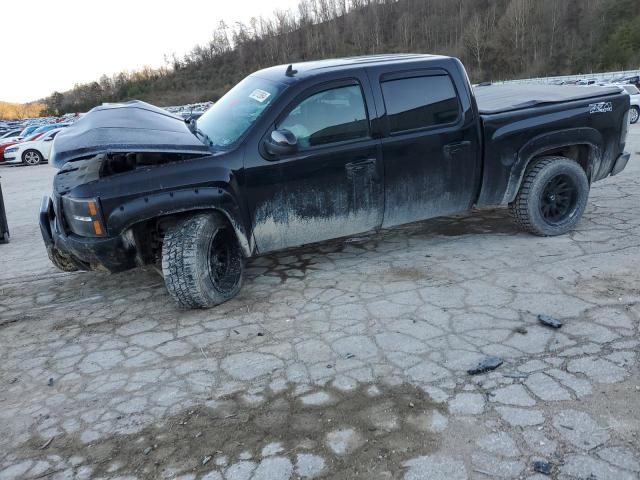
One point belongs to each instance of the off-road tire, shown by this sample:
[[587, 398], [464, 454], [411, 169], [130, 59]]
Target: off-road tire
[[191, 261], [634, 115], [527, 207]]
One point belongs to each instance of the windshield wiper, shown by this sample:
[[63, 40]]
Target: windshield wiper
[[193, 128]]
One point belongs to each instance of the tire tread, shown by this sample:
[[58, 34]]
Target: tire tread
[[182, 262], [519, 208]]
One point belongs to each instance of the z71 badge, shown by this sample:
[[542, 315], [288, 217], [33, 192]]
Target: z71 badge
[[602, 107]]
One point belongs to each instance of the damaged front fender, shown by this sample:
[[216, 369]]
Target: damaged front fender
[[180, 201]]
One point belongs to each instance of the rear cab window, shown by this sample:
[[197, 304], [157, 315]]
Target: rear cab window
[[420, 102]]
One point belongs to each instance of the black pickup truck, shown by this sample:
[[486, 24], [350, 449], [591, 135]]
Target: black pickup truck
[[304, 153]]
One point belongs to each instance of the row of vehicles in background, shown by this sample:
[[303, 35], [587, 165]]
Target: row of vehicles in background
[[630, 84], [615, 80], [29, 146], [192, 111]]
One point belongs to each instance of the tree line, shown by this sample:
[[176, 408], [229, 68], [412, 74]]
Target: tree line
[[14, 111], [496, 39]]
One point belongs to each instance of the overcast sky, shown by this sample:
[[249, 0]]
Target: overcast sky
[[48, 45]]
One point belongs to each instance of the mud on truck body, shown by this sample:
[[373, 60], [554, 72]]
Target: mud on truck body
[[294, 155]]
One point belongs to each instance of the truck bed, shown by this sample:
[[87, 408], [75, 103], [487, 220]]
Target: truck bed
[[493, 99]]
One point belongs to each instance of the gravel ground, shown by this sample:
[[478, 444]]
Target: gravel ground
[[339, 361]]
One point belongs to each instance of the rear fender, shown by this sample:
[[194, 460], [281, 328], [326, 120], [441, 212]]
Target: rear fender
[[179, 201], [548, 142]]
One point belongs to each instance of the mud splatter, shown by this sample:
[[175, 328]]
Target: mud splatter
[[393, 424]]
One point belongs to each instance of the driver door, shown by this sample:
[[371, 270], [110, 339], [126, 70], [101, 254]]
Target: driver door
[[333, 185]]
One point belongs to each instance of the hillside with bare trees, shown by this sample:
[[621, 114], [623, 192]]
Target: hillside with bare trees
[[11, 111], [496, 39]]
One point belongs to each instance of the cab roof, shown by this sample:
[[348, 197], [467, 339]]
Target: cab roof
[[312, 68]]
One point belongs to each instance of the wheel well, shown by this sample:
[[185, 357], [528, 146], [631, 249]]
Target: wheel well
[[32, 150], [149, 234], [581, 154]]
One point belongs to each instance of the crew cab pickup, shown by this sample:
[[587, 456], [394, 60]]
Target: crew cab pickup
[[304, 153]]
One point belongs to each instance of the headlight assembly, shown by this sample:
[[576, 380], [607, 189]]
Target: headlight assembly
[[83, 216]]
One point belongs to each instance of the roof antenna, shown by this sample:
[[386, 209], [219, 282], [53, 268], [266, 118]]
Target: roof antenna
[[290, 71]]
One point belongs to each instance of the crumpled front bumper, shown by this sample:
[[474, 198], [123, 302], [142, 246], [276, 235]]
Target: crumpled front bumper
[[113, 254], [620, 163]]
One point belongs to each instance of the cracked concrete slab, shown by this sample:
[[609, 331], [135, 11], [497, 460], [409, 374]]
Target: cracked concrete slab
[[345, 360]]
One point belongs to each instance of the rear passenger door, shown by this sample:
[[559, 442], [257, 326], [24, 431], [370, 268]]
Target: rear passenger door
[[428, 148]]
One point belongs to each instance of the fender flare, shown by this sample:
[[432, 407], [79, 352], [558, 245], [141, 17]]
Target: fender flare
[[179, 201], [583, 136]]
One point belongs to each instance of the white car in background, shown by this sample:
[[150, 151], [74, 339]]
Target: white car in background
[[634, 95], [34, 152]]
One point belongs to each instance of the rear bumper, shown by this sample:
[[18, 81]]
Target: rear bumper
[[114, 254], [620, 163]]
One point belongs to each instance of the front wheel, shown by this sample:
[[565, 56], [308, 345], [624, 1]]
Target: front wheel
[[552, 197], [634, 114], [32, 157], [202, 263]]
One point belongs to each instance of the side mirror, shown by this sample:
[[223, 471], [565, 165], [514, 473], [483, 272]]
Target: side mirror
[[281, 142]]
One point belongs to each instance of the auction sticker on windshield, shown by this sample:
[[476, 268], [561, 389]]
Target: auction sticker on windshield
[[259, 95]]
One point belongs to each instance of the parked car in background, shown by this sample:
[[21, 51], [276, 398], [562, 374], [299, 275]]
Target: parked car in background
[[634, 95], [10, 134], [24, 133], [28, 130], [51, 126], [634, 80], [33, 152], [16, 141]]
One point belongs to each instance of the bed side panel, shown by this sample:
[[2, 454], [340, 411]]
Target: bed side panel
[[512, 139]]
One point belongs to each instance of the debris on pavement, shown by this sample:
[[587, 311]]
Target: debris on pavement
[[521, 330], [515, 375], [549, 321], [542, 467], [485, 365], [47, 443], [50, 382]]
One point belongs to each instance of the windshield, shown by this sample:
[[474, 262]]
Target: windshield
[[231, 116], [631, 89], [27, 131]]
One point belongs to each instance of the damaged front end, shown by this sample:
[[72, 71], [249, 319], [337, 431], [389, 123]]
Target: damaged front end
[[110, 140], [125, 128]]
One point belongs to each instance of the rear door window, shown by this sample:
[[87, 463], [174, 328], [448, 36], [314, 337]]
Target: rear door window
[[420, 102]]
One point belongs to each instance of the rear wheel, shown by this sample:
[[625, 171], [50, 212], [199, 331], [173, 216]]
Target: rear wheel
[[32, 157], [634, 114], [202, 262], [552, 197]]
